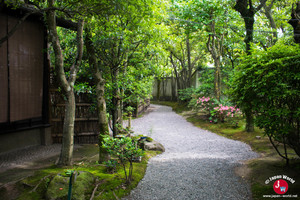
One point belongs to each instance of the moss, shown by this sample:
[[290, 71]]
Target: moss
[[59, 186], [149, 139], [83, 185], [109, 182], [30, 196]]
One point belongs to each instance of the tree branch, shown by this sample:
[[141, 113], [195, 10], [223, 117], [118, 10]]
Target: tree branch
[[29, 12], [262, 3], [75, 66], [59, 60]]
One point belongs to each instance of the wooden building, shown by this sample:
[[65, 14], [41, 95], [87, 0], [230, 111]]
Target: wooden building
[[24, 81]]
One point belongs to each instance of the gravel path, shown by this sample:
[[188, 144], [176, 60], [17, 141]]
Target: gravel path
[[197, 164], [26, 156]]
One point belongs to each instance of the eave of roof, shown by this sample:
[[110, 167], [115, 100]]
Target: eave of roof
[[36, 15]]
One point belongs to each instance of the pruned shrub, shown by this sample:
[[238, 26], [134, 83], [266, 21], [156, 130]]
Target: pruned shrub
[[269, 81]]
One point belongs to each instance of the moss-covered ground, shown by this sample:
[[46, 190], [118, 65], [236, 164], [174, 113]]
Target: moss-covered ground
[[256, 171], [110, 185]]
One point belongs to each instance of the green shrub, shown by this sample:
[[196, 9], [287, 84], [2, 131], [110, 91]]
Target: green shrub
[[185, 95], [125, 149], [269, 81]]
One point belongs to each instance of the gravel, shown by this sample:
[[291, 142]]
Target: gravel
[[197, 164], [25, 156]]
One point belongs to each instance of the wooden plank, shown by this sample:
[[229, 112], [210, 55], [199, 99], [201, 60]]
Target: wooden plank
[[77, 104], [93, 119]]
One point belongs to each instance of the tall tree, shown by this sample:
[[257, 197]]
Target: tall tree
[[100, 89], [184, 48], [215, 47], [216, 16], [247, 11], [212, 15], [124, 30], [67, 84]]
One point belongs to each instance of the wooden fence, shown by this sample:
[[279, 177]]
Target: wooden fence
[[86, 119], [142, 107]]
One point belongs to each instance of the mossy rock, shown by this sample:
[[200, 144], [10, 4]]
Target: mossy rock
[[149, 139], [82, 186]]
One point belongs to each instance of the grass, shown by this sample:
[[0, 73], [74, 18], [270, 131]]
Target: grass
[[112, 185], [256, 171]]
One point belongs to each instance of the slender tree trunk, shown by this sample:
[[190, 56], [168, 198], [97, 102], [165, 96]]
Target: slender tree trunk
[[66, 85], [249, 22], [101, 103], [102, 120], [249, 120], [173, 87], [158, 89], [68, 131], [115, 100], [176, 74], [295, 22], [120, 109], [189, 76], [215, 47], [217, 81], [269, 15]]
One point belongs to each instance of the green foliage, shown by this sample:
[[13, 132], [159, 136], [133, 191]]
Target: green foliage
[[111, 165], [268, 82], [206, 87], [125, 149], [129, 110], [185, 95]]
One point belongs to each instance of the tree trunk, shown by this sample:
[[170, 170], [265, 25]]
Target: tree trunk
[[101, 104], [217, 81], [249, 22], [115, 100], [102, 120], [173, 87], [295, 22], [68, 131], [158, 88], [189, 76], [66, 85], [249, 121], [120, 109], [268, 13], [247, 11], [215, 47], [176, 74]]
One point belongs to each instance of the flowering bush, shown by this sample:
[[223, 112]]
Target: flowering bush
[[221, 112], [217, 112], [206, 104]]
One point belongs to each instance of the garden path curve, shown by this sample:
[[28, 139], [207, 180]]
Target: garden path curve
[[197, 164]]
